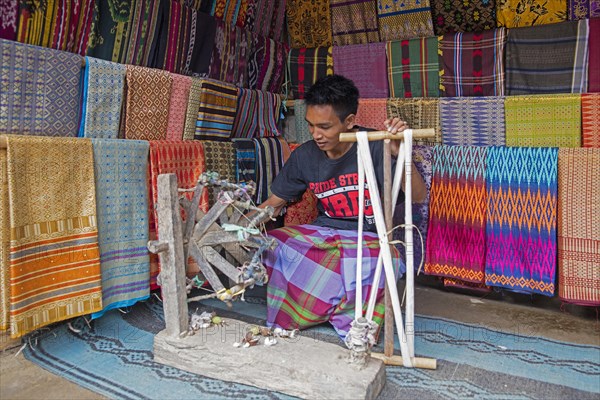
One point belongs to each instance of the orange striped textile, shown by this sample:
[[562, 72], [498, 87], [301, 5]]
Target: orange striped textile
[[590, 119], [54, 263], [579, 225]]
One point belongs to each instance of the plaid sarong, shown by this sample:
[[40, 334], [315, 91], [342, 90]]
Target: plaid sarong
[[56, 24], [463, 16], [39, 90], [590, 120], [269, 161], [148, 95], [545, 120], [475, 121], [419, 113], [54, 259], [365, 65], [312, 277], [404, 19], [594, 55], [516, 13], [103, 91], [583, 9], [353, 22], [579, 226], [521, 187], [413, 68], [122, 202], [472, 64], [547, 59], [308, 65], [180, 93], [216, 110], [309, 23], [457, 214], [371, 113]]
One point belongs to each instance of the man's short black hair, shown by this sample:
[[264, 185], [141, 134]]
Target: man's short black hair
[[336, 91]]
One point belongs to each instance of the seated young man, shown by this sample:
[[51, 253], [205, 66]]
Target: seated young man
[[312, 270]]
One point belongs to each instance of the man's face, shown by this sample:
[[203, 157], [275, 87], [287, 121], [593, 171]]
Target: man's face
[[325, 126]]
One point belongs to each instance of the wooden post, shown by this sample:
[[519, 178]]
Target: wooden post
[[388, 347], [172, 262]]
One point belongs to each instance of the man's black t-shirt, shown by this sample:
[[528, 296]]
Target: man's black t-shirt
[[334, 182]]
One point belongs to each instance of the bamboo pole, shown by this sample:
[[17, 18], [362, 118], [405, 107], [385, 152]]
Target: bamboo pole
[[418, 362], [381, 135], [388, 324]]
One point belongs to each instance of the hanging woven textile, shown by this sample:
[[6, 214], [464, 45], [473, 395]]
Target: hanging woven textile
[[404, 19], [266, 18], [103, 91], [472, 64], [419, 113], [142, 31], [474, 121], [304, 211], [365, 65], [354, 22], [122, 209], [583, 9], [267, 63], [230, 54], [216, 111], [39, 90], [545, 120], [463, 16], [257, 114], [109, 38], [245, 164], [579, 226], [57, 24], [521, 187], [307, 66], [185, 159], [516, 14], [590, 120], [4, 245], [269, 160], [309, 23], [413, 67], [191, 114], [302, 132], [148, 96], [54, 258], [9, 11], [547, 59], [594, 55], [220, 158], [371, 113], [202, 42], [456, 244], [231, 12], [180, 93]]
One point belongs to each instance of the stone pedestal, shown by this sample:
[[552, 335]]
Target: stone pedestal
[[302, 366]]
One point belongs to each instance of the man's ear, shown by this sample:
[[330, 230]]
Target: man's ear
[[350, 121]]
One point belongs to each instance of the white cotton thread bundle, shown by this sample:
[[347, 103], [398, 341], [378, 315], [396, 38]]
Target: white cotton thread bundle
[[360, 339]]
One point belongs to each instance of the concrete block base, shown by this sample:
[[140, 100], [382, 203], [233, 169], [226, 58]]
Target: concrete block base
[[302, 366]]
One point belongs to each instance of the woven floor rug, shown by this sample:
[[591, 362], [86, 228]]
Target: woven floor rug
[[114, 357]]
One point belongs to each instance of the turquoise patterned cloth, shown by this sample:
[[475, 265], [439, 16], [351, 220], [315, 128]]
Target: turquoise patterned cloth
[[122, 208], [103, 85]]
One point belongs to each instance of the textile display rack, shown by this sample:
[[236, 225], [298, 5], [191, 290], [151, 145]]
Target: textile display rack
[[392, 302]]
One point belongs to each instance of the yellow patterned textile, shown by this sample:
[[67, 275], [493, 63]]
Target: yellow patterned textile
[[4, 244], [54, 256], [543, 120], [520, 13], [419, 113], [354, 22], [309, 23], [191, 114], [148, 97]]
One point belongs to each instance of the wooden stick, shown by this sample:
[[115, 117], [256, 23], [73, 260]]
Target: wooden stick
[[381, 135], [418, 362]]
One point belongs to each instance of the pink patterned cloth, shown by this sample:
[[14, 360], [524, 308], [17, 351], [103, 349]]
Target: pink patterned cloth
[[371, 113], [366, 65], [180, 93]]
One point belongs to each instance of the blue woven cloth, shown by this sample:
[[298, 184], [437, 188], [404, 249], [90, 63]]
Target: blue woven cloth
[[472, 121]]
